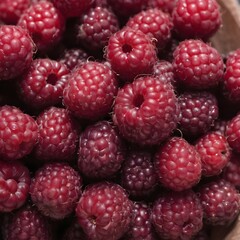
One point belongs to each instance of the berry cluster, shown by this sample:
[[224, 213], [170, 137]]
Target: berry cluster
[[113, 120]]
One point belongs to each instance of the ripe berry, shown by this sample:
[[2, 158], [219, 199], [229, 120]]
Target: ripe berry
[[178, 164], [55, 189], [14, 185], [130, 53], [177, 215], [104, 211], [146, 110], [197, 65]]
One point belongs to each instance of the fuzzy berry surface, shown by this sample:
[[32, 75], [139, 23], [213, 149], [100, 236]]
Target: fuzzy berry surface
[[14, 185], [26, 223], [104, 211], [146, 110], [58, 136], [164, 5], [18, 133], [220, 202], [177, 215], [42, 85], [178, 164], [90, 91], [55, 189], [196, 19], [197, 65], [101, 151], [16, 51], [130, 53]]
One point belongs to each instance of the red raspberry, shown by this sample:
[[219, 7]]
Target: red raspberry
[[138, 175], [101, 151], [14, 185], [220, 126], [220, 201], [177, 215], [58, 135], [44, 23], [155, 24], [26, 223], [146, 110], [130, 53], [104, 211], [74, 232], [11, 10], [196, 19], [198, 111], [18, 133], [16, 51], [72, 8], [164, 5], [178, 164], [42, 85], [197, 65], [55, 189], [214, 151], [90, 91], [95, 28]]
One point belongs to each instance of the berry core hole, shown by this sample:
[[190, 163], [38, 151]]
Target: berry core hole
[[126, 48], [138, 100], [52, 79]]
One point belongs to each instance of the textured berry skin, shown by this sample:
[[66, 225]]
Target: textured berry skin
[[90, 91], [42, 85], [18, 133], [130, 53], [220, 201], [197, 65], [178, 164], [16, 51], [55, 189], [198, 112], [146, 110], [214, 151], [14, 185], [164, 5], [177, 215], [26, 223], [104, 211], [220, 126], [95, 28], [11, 10], [101, 151], [58, 135], [196, 19], [154, 23], [44, 23], [138, 175]]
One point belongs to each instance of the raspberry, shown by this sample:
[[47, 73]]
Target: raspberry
[[90, 91], [101, 151], [55, 189], [177, 215], [197, 65], [44, 23], [26, 223], [42, 85], [14, 185], [178, 164], [95, 27], [104, 211], [58, 135], [130, 53], [138, 175], [18, 133], [11, 10], [16, 51], [155, 24], [196, 19], [220, 201], [220, 126], [146, 110], [198, 111], [164, 5], [214, 151]]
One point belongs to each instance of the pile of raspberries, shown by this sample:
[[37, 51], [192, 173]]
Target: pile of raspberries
[[119, 120]]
